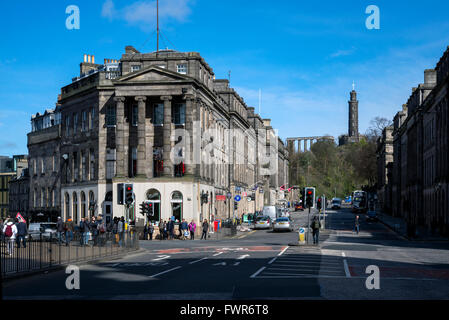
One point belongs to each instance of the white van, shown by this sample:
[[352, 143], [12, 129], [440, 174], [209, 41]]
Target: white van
[[272, 211]]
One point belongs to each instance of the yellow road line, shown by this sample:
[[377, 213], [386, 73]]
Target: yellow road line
[[245, 235]]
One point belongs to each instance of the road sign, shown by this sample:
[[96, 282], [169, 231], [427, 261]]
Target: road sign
[[302, 230], [244, 194], [237, 198]]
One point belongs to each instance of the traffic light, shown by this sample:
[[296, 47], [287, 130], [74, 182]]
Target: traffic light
[[319, 205], [236, 205], [120, 193], [129, 196], [310, 197], [149, 209], [303, 202], [143, 209]]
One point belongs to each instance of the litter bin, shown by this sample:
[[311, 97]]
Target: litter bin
[[216, 225]]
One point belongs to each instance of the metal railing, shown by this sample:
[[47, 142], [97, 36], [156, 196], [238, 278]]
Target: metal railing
[[45, 251]]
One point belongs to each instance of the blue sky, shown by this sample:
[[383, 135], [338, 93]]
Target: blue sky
[[303, 55]]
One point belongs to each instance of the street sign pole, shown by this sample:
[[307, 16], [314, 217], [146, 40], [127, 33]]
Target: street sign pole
[[324, 212], [308, 227]]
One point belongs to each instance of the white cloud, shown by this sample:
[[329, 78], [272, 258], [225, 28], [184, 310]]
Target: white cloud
[[342, 53], [143, 13]]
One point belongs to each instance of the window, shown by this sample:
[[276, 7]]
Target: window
[[158, 114], [135, 68], [110, 116], [67, 126], [84, 166], [92, 118], [133, 162], [92, 165], [75, 123], [50, 198], [182, 68], [42, 166], [83, 205], [75, 166], [67, 205], [43, 198], [135, 115], [110, 163], [84, 121], [176, 205], [158, 164], [75, 207], [179, 115]]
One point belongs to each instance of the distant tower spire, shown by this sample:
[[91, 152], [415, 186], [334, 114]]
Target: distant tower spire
[[353, 114]]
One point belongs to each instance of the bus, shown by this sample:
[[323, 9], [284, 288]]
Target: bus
[[359, 201]]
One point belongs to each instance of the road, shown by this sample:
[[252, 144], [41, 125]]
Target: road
[[260, 265]]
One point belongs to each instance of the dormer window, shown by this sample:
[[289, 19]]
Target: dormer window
[[182, 68], [135, 68]]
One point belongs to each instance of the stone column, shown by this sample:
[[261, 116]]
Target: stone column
[[122, 154], [168, 165], [149, 144], [141, 143], [191, 115]]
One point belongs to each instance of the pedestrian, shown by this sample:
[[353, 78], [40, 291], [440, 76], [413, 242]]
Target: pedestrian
[[121, 230], [10, 233], [357, 224], [60, 229], [21, 233], [161, 230], [145, 232], [150, 230], [85, 229], [101, 226], [184, 229], [171, 229], [94, 230], [192, 228], [70, 228], [316, 225], [205, 229], [115, 230]]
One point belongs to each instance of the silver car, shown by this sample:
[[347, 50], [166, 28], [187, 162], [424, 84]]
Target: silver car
[[263, 222], [47, 229], [283, 224]]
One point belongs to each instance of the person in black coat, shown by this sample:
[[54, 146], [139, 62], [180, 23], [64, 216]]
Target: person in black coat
[[21, 233]]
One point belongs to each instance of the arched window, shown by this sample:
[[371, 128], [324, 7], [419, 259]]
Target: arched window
[[154, 197], [176, 205], [75, 208], [83, 204], [67, 205], [92, 204]]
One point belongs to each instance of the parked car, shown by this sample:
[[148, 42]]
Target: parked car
[[371, 216], [263, 222], [283, 224], [47, 229]]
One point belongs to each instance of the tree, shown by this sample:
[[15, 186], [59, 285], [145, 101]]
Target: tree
[[377, 125]]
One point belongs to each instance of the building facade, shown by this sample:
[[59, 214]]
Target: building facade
[[188, 143], [384, 158], [420, 147]]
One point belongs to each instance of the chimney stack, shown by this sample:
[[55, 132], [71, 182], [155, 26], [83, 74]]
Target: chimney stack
[[93, 59], [85, 58], [430, 76]]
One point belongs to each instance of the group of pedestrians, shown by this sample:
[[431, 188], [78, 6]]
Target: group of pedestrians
[[14, 231], [316, 226], [167, 230]]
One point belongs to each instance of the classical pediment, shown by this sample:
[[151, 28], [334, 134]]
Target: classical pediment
[[153, 74]]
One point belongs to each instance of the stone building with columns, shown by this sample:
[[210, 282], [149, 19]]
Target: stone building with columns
[[162, 122]]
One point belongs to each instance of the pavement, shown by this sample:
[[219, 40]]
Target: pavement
[[374, 264]]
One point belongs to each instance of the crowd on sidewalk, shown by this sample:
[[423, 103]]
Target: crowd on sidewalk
[[167, 230]]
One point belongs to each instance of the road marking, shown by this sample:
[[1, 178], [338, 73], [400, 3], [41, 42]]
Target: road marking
[[220, 264], [217, 254], [161, 258], [348, 274], [167, 271], [257, 272], [236, 264], [306, 269], [193, 262], [282, 252], [300, 266], [343, 254], [272, 260], [243, 257]]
